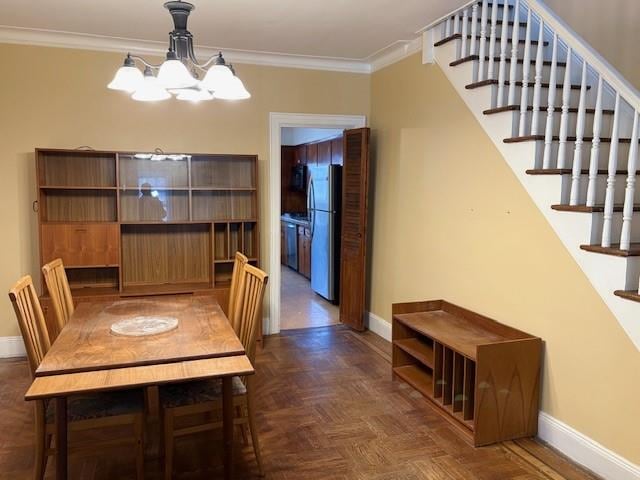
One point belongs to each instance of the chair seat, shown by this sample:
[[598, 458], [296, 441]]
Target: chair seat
[[191, 393], [100, 405]]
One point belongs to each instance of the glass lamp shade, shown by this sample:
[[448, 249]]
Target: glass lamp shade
[[150, 90], [233, 90], [174, 74], [127, 79], [217, 77], [193, 94]]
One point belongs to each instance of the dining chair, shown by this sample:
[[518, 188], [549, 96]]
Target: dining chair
[[55, 278], [202, 397], [240, 261], [85, 412]]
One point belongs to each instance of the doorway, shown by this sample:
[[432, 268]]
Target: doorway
[[282, 130]]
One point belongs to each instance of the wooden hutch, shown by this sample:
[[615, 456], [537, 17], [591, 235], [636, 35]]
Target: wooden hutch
[[131, 224]]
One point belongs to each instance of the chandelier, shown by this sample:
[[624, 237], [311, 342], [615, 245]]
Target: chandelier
[[180, 73]]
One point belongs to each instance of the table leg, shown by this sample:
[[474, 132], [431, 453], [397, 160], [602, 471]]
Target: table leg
[[227, 418], [61, 438]]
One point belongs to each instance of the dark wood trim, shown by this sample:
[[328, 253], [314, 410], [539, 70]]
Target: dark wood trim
[[484, 83], [568, 171], [594, 209], [472, 58], [537, 138], [628, 295], [516, 108], [614, 249]]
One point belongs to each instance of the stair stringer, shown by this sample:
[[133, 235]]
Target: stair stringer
[[605, 272]]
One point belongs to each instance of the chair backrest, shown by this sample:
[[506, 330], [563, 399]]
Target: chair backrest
[[58, 286], [31, 320], [238, 265], [248, 307]]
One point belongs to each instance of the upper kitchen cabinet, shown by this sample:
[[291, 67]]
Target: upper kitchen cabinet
[[324, 153], [300, 155], [336, 151], [312, 154]]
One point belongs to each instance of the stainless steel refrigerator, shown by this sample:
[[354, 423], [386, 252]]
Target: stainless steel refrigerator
[[324, 199]]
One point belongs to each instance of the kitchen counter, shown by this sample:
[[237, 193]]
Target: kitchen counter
[[303, 222]]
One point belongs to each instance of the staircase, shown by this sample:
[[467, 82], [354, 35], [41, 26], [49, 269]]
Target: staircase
[[567, 124]]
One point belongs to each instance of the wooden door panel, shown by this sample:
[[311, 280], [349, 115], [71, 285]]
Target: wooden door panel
[[300, 155], [355, 185], [81, 245]]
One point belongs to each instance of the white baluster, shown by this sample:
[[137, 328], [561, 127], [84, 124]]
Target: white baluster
[[611, 177], [483, 39], [537, 88], [504, 40], [474, 30], [551, 105], [465, 26], [492, 40], [576, 171], [564, 118], [526, 67], [456, 24], [447, 28], [513, 70], [595, 147], [627, 214]]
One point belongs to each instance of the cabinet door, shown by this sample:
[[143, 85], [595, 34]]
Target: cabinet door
[[301, 251], [300, 155], [307, 257], [81, 245], [312, 154], [336, 151], [324, 153], [283, 244]]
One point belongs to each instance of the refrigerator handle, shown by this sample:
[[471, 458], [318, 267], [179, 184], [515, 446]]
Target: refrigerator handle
[[311, 206]]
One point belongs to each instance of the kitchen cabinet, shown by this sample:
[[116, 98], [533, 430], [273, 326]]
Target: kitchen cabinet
[[324, 153], [300, 155], [304, 252], [336, 151], [312, 154]]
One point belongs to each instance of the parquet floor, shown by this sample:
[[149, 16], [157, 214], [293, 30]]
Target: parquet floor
[[329, 409]]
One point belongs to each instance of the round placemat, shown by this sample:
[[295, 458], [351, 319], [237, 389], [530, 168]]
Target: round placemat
[[142, 326]]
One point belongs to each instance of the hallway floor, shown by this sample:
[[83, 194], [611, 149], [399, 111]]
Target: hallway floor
[[301, 307]]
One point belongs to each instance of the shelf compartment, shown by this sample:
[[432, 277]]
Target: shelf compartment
[[153, 174], [73, 205], [250, 239], [458, 382], [447, 376], [220, 242], [469, 390], [222, 274], [438, 359], [419, 348], [77, 169], [219, 171], [235, 239], [223, 205], [166, 254], [419, 377], [154, 206], [89, 281]]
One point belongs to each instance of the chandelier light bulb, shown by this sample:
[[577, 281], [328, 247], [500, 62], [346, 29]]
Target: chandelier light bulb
[[128, 78], [150, 90], [174, 74]]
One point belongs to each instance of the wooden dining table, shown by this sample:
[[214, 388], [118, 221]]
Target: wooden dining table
[[87, 357]]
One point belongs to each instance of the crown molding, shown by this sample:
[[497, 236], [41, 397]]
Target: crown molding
[[58, 39], [394, 53]]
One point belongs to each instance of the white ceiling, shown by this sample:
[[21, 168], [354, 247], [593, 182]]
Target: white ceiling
[[352, 29]]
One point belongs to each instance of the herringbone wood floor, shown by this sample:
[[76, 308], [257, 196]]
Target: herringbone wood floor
[[329, 409]]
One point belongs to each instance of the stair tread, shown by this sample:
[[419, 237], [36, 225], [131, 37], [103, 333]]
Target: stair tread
[[568, 171], [614, 249], [598, 208], [471, 58], [511, 108], [458, 36], [531, 138], [519, 83], [628, 294]]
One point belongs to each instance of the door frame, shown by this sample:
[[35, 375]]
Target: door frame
[[277, 121]]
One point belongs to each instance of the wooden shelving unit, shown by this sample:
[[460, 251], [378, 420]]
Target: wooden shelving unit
[[481, 375], [129, 226]]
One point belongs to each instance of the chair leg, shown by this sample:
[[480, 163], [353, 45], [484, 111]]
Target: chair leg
[[243, 426], [252, 424], [42, 441], [168, 443], [138, 429]]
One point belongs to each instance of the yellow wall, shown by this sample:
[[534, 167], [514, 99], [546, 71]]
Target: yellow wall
[[610, 27], [58, 98], [451, 221]]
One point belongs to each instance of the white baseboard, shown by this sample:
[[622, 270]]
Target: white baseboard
[[575, 445], [379, 326], [585, 451], [12, 347]]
